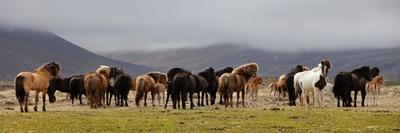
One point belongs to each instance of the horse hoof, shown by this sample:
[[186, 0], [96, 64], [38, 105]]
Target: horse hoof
[[44, 109], [35, 109]]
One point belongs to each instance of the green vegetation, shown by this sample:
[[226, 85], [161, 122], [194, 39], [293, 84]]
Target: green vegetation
[[287, 119]]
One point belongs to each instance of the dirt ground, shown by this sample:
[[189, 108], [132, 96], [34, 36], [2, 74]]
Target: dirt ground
[[389, 100]]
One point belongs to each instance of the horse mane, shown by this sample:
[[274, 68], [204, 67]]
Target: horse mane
[[246, 70], [360, 70], [48, 67]]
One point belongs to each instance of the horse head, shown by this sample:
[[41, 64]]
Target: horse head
[[54, 84], [53, 68], [363, 72], [325, 66], [374, 72]]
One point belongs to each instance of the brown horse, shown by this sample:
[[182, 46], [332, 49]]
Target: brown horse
[[96, 87], [235, 82], [144, 84], [252, 87], [373, 89], [37, 81]]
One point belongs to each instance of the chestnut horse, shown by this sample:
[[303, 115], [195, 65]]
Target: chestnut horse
[[235, 82], [373, 89], [37, 81], [96, 86], [144, 84], [252, 87]]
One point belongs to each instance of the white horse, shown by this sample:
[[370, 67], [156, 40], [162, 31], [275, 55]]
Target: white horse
[[312, 82]]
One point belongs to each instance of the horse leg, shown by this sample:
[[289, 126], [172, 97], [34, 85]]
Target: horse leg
[[256, 94], [145, 99], [202, 98], [166, 101], [243, 93], [107, 97], [231, 98], [355, 98], [237, 99], [338, 102], [44, 101], [36, 101], [173, 98], [159, 98], [191, 100], [363, 94], [20, 105], [152, 98], [26, 101], [220, 99], [184, 98], [80, 99]]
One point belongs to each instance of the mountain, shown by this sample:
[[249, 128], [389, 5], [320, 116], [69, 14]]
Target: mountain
[[25, 50], [271, 63]]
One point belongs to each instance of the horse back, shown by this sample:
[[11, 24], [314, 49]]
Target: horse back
[[34, 81]]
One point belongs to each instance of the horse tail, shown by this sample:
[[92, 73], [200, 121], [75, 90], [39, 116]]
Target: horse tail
[[225, 87], [140, 84], [19, 88], [337, 86]]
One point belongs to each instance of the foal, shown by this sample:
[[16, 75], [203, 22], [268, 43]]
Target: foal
[[252, 87], [373, 89]]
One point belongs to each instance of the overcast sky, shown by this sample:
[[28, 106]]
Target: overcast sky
[[103, 25]]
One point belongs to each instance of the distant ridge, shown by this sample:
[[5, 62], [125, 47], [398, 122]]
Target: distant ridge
[[25, 49], [271, 63]]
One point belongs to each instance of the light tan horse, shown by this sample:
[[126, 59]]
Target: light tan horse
[[278, 87], [96, 86], [373, 89], [235, 82], [144, 84], [37, 81], [252, 87]]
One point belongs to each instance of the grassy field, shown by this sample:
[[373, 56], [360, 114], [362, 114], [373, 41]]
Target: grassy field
[[286, 119], [266, 115]]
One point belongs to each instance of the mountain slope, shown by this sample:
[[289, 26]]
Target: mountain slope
[[25, 50], [271, 63]]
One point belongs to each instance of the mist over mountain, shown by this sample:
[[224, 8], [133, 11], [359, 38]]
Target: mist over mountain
[[272, 63], [26, 49]]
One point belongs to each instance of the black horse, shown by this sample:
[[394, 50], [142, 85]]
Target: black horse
[[184, 83], [200, 89], [345, 82], [211, 88], [180, 83], [218, 74], [77, 88], [58, 84], [111, 89], [290, 83], [123, 83], [171, 74]]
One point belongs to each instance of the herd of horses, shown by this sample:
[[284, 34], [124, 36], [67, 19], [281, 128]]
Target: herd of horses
[[100, 86]]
